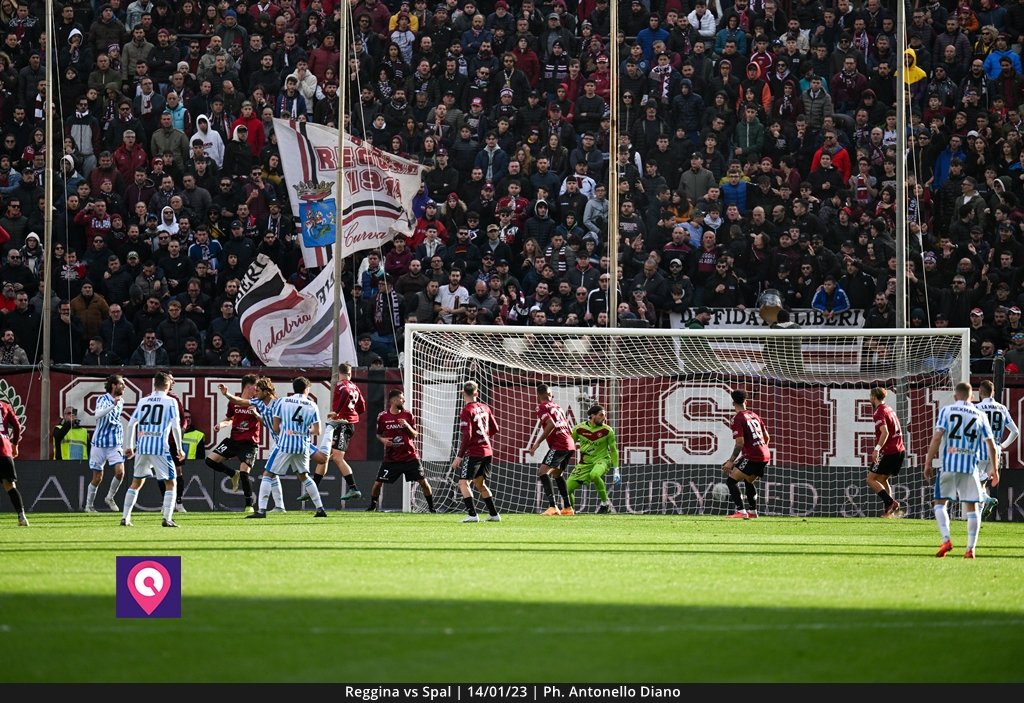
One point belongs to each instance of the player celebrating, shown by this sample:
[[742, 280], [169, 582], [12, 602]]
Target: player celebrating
[[245, 433], [560, 447], [107, 443], [396, 430], [961, 431], [156, 419], [888, 453], [478, 426], [752, 440], [1002, 424], [10, 435], [295, 418], [598, 452], [347, 404]]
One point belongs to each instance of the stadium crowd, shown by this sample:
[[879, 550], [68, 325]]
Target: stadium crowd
[[755, 150]]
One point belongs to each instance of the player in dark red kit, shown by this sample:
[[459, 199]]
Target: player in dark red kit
[[478, 426], [245, 426], [347, 404], [752, 440], [10, 435], [561, 447], [888, 453], [396, 430]]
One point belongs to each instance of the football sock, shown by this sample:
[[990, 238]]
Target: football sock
[[602, 489], [246, 487], [276, 492], [179, 488], [168, 505], [490, 506], [430, 501], [219, 467], [19, 507], [373, 505], [751, 496], [570, 486], [313, 492], [549, 492], [942, 520], [350, 480], [115, 483], [317, 478], [470, 508], [734, 492], [886, 498], [90, 496], [973, 527], [563, 490], [266, 486], [129, 502]]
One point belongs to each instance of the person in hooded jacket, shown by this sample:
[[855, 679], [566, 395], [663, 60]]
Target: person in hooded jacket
[[238, 157]]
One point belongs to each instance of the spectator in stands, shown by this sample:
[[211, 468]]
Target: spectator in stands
[[830, 299]]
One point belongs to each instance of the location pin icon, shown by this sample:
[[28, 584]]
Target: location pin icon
[[149, 583]]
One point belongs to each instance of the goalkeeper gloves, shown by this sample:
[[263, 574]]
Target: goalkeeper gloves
[[617, 477]]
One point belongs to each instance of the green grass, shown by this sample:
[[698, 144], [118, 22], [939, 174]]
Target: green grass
[[421, 598]]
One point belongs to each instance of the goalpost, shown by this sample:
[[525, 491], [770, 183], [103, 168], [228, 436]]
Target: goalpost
[[667, 393]]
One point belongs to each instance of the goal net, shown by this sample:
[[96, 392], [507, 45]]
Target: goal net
[[667, 394]]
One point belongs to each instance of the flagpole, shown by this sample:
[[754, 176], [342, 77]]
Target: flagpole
[[44, 401], [340, 185]]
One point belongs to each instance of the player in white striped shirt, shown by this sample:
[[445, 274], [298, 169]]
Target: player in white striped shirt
[[156, 419], [107, 443], [962, 433], [265, 402], [1005, 433], [296, 419]]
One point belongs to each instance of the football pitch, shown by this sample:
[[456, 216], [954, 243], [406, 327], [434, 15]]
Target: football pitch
[[390, 598]]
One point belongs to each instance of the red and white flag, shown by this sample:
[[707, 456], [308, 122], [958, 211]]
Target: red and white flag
[[289, 327], [378, 190]]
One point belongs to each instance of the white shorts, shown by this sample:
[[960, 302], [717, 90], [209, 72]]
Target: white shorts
[[985, 464], [951, 485], [283, 463], [105, 456], [275, 457], [159, 466], [325, 440]]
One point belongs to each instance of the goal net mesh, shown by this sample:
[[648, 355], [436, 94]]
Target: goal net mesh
[[667, 395]]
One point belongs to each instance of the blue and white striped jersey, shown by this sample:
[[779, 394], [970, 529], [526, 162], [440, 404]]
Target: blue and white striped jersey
[[1003, 426], [266, 411], [298, 414], [964, 430], [109, 431], [155, 418]]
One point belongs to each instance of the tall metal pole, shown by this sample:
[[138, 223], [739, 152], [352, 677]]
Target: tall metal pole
[[902, 199], [902, 401], [613, 170], [51, 145], [340, 186]]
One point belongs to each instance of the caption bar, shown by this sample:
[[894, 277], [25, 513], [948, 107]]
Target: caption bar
[[512, 692]]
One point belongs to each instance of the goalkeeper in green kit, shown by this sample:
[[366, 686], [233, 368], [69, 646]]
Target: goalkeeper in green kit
[[596, 441]]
